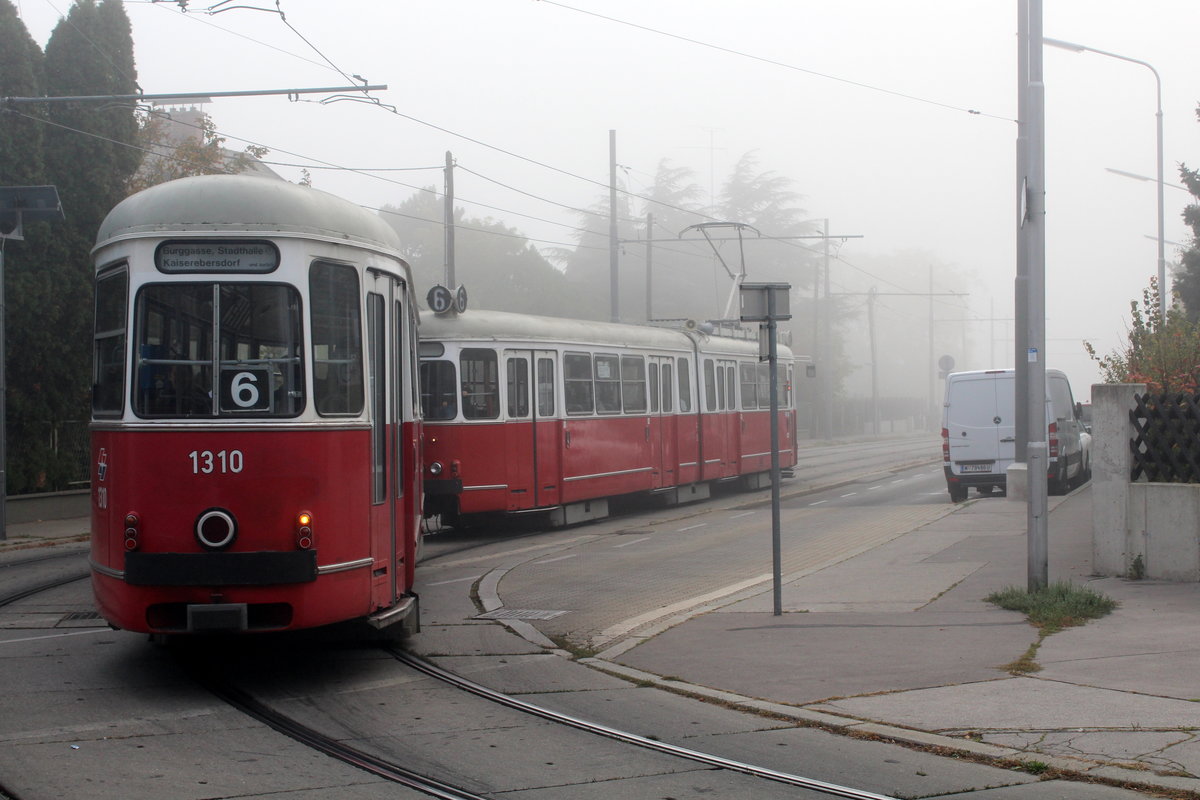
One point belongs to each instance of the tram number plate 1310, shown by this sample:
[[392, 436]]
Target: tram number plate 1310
[[245, 389]]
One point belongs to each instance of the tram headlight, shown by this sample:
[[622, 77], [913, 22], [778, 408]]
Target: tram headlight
[[304, 531], [435, 468], [132, 524]]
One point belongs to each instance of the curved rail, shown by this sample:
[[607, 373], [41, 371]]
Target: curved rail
[[707, 759], [44, 586], [310, 737]]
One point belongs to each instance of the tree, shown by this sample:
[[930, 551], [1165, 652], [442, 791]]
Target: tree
[[20, 76], [1161, 350], [185, 144], [1187, 282], [88, 154], [498, 266]]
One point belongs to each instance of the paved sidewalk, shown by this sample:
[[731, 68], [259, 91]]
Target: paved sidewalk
[[898, 642]]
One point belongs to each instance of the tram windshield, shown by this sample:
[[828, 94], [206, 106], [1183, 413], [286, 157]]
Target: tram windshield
[[256, 369]]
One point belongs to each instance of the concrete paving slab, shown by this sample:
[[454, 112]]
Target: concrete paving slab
[[1161, 751], [803, 658], [1051, 790], [468, 640], [878, 767], [699, 783], [1020, 704]]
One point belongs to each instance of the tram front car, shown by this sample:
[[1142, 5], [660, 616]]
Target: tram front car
[[255, 441]]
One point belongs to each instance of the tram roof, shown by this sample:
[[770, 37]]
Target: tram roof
[[213, 203], [504, 326]]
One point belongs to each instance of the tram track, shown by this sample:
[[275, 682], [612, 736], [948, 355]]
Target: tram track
[[212, 675], [707, 759]]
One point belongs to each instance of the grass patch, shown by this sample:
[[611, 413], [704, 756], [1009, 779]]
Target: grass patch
[[1060, 605]]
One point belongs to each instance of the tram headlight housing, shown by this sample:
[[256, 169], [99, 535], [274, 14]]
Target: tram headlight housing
[[304, 530], [132, 530], [435, 468]]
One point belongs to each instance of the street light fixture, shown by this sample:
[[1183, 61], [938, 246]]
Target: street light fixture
[[1162, 253]]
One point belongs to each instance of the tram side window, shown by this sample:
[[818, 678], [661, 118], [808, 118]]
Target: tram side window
[[545, 387], [633, 384], [608, 384], [720, 387], [108, 379], [764, 386], [685, 386], [730, 387], [654, 387], [518, 388], [439, 390], [710, 385], [577, 379], [749, 386], [480, 383], [667, 405], [337, 338]]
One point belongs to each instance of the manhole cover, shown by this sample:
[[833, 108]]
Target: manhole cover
[[520, 613], [80, 615]]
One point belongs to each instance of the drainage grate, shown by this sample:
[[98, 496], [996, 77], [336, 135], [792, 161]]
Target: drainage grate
[[520, 613], [80, 615]]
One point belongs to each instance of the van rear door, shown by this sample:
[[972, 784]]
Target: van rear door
[[976, 416]]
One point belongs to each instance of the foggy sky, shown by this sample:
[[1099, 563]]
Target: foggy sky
[[872, 125]]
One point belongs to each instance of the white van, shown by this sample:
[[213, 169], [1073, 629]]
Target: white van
[[979, 435]]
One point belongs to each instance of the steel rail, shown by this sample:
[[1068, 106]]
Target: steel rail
[[707, 759], [45, 586], [310, 737]]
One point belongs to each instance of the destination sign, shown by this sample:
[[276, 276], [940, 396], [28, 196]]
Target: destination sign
[[217, 255]]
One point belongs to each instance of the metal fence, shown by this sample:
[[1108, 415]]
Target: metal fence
[[1166, 442]]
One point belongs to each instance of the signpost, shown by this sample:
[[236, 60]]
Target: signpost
[[767, 303]]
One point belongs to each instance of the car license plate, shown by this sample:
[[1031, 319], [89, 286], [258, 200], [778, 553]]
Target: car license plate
[[975, 467]]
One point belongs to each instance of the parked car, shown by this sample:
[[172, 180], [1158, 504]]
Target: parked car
[[979, 432]]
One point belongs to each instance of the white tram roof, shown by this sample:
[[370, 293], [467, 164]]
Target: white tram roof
[[243, 203], [501, 327]]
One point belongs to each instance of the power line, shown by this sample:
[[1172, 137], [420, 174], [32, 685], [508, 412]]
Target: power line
[[784, 65]]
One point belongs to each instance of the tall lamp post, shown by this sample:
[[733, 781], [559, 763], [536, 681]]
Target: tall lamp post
[[1162, 256]]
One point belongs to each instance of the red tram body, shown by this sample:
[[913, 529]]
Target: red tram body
[[255, 434], [525, 413]]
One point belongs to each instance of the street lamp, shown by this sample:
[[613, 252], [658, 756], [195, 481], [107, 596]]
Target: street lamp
[[1162, 255]]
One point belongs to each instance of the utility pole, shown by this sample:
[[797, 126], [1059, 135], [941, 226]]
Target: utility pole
[[613, 246], [649, 264], [449, 222], [1033, 225], [874, 363], [825, 370]]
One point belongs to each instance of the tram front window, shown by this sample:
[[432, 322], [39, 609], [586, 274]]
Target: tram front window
[[257, 368]]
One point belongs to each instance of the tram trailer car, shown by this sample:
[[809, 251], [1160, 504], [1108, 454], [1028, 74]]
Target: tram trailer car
[[255, 435], [539, 414]]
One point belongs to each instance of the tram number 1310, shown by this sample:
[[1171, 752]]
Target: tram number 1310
[[206, 462]]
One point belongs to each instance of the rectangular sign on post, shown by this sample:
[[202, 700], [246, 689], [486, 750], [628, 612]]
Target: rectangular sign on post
[[754, 301]]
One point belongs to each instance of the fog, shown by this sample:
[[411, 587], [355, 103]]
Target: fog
[[895, 121]]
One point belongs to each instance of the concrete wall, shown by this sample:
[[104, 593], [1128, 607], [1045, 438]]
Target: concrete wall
[[1141, 529]]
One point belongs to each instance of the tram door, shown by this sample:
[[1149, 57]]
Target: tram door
[[384, 358], [531, 437], [662, 422]]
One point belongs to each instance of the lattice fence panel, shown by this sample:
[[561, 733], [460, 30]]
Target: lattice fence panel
[[1166, 441]]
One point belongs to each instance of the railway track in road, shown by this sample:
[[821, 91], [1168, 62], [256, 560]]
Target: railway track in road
[[394, 764]]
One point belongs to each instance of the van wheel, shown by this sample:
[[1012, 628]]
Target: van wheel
[[957, 493]]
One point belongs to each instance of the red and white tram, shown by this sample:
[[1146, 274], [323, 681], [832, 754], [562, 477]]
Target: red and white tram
[[255, 435], [526, 413]]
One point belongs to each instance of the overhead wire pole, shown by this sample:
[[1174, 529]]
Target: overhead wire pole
[[1037, 451], [614, 286]]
